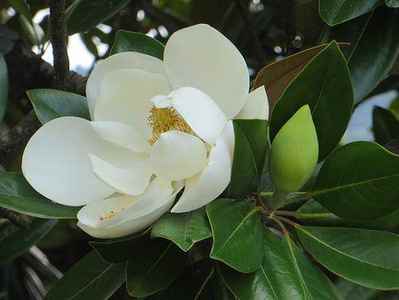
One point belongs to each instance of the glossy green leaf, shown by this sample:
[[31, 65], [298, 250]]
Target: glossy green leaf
[[351, 291], [251, 147], [138, 42], [365, 257], [3, 87], [120, 250], [154, 268], [359, 181], [374, 50], [385, 125], [313, 213], [51, 104], [325, 85], [83, 15], [20, 240], [392, 3], [17, 195], [183, 229], [285, 274], [277, 75], [22, 7], [237, 234], [334, 12], [89, 278]]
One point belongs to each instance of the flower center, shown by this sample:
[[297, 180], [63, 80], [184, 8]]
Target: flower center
[[164, 119]]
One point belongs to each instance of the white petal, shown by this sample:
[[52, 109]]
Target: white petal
[[201, 57], [210, 183], [132, 177], [125, 97], [122, 135], [200, 112], [177, 155], [125, 60], [122, 215], [256, 107], [229, 138], [56, 163]]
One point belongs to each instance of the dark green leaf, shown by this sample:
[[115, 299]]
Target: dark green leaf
[[276, 76], [22, 239], [3, 87], [51, 104], [325, 86], [313, 213], [365, 257], [385, 125], [138, 42], [90, 278], [16, 194], [372, 53], [183, 229], [392, 3], [359, 181], [351, 291], [250, 149], [120, 250], [375, 48], [237, 234], [154, 268], [285, 274], [190, 285], [334, 12], [85, 14]]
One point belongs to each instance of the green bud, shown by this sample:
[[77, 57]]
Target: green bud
[[295, 151]]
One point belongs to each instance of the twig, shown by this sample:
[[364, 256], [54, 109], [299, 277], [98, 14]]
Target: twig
[[258, 48], [58, 37]]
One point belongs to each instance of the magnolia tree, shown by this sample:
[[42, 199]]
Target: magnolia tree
[[205, 155]]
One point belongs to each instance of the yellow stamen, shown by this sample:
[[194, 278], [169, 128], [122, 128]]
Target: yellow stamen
[[109, 215], [164, 119]]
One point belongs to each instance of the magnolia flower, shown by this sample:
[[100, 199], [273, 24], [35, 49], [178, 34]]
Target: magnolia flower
[[157, 127]]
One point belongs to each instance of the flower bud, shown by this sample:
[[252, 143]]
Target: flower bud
[[295, 151]]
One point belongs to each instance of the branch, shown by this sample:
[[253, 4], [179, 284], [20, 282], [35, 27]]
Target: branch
[[58, 38]]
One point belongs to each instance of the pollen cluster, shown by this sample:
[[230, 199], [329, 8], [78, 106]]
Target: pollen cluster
[[164, 119]]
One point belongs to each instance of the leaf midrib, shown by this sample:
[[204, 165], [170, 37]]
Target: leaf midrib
[[343, 253], [233, 233], [351, 185]]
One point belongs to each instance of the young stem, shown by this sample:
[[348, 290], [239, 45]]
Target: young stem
[[305, 216]]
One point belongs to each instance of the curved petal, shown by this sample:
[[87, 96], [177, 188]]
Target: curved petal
[[228, 137], [125, 60], [177, 155], [56, 163], [210, 183], [132, 178], [256, 106], [201, 57], [122, 135], [122, 215], [125, 97], [200, 112]]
